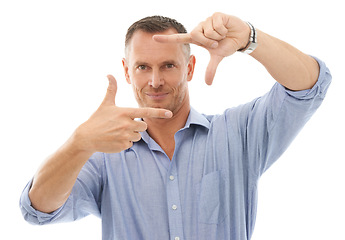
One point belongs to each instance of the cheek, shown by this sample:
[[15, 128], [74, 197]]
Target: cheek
[[136, 88], [136, 81], [176, 78]]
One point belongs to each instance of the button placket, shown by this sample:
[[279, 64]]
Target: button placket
[[173, 201]]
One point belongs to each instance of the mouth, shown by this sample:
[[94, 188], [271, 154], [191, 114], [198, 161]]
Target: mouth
[[156, 96]]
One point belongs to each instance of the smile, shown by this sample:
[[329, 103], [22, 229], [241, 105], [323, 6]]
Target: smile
[[157, 96]]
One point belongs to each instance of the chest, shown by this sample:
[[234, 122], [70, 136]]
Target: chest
[[195, 188]]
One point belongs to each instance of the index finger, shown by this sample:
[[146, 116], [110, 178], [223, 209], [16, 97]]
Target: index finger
[[212, 68], [149, 113], [173, 38]]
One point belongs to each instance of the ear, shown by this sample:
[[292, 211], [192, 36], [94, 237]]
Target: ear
[[191, 66], [125, 68]]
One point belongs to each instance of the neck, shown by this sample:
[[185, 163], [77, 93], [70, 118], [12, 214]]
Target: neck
[[163, 130]]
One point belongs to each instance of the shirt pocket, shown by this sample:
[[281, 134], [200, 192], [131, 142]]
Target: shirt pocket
[[214, 199]]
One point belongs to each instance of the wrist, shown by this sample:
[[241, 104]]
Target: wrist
[[246, 36], [78, 144], [251, 43]]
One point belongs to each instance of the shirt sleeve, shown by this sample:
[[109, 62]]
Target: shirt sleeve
[[270, 123], [84, 199]]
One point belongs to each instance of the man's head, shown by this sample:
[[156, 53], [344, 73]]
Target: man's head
[[155, 24], [158, 72]]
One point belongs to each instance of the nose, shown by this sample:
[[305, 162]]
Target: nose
[[156, 79]]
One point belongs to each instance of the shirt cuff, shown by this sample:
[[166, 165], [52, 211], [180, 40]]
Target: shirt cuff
[[32, 215], [320, 87]]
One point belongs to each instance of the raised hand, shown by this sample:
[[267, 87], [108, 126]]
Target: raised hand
[[113, 129], [222, 35]]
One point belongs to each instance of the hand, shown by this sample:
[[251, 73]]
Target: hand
[[222, 35], [113, 129]]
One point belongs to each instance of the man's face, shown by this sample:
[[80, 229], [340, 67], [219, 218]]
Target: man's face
[[158, 72]]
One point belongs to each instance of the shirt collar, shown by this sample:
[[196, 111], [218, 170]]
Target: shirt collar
[[194, 118]]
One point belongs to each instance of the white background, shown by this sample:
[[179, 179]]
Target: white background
[[54, 58]]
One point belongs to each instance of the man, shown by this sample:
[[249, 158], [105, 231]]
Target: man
[[177, 174]]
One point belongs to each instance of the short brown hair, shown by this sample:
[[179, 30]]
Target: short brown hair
[[156, 24]]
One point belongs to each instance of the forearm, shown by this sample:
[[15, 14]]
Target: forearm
[[286, 64], [55, 179]]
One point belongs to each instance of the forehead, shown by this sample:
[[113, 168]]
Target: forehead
[[143, 48]]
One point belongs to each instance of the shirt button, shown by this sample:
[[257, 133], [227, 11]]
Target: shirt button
[[172, 178], [174, 207], [177, 238]]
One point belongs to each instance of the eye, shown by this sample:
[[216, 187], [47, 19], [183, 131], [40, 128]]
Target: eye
[[169, 65], [142, 67]]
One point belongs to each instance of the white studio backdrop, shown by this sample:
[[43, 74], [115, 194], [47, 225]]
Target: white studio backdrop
[[54, 58]]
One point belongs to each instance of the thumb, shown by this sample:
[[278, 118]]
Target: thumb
[[212, 68], [109, 98]]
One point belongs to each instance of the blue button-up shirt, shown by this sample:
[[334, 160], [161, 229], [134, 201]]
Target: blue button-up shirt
[[209, 188]]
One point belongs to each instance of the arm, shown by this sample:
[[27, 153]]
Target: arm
[[222, 35], [109, 129], [54, 180], [286, 64], [268, 124]]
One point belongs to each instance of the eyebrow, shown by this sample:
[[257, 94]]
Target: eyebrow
[[170, 62], [138, 63]]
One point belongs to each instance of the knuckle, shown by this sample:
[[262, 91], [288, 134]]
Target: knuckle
[[209, 32], [159, 113], [194, 34], [219, 27], [126, 136], [146, 112], [155, 113], [122, 131], [121, 112], [217, 14], [126, 126]]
